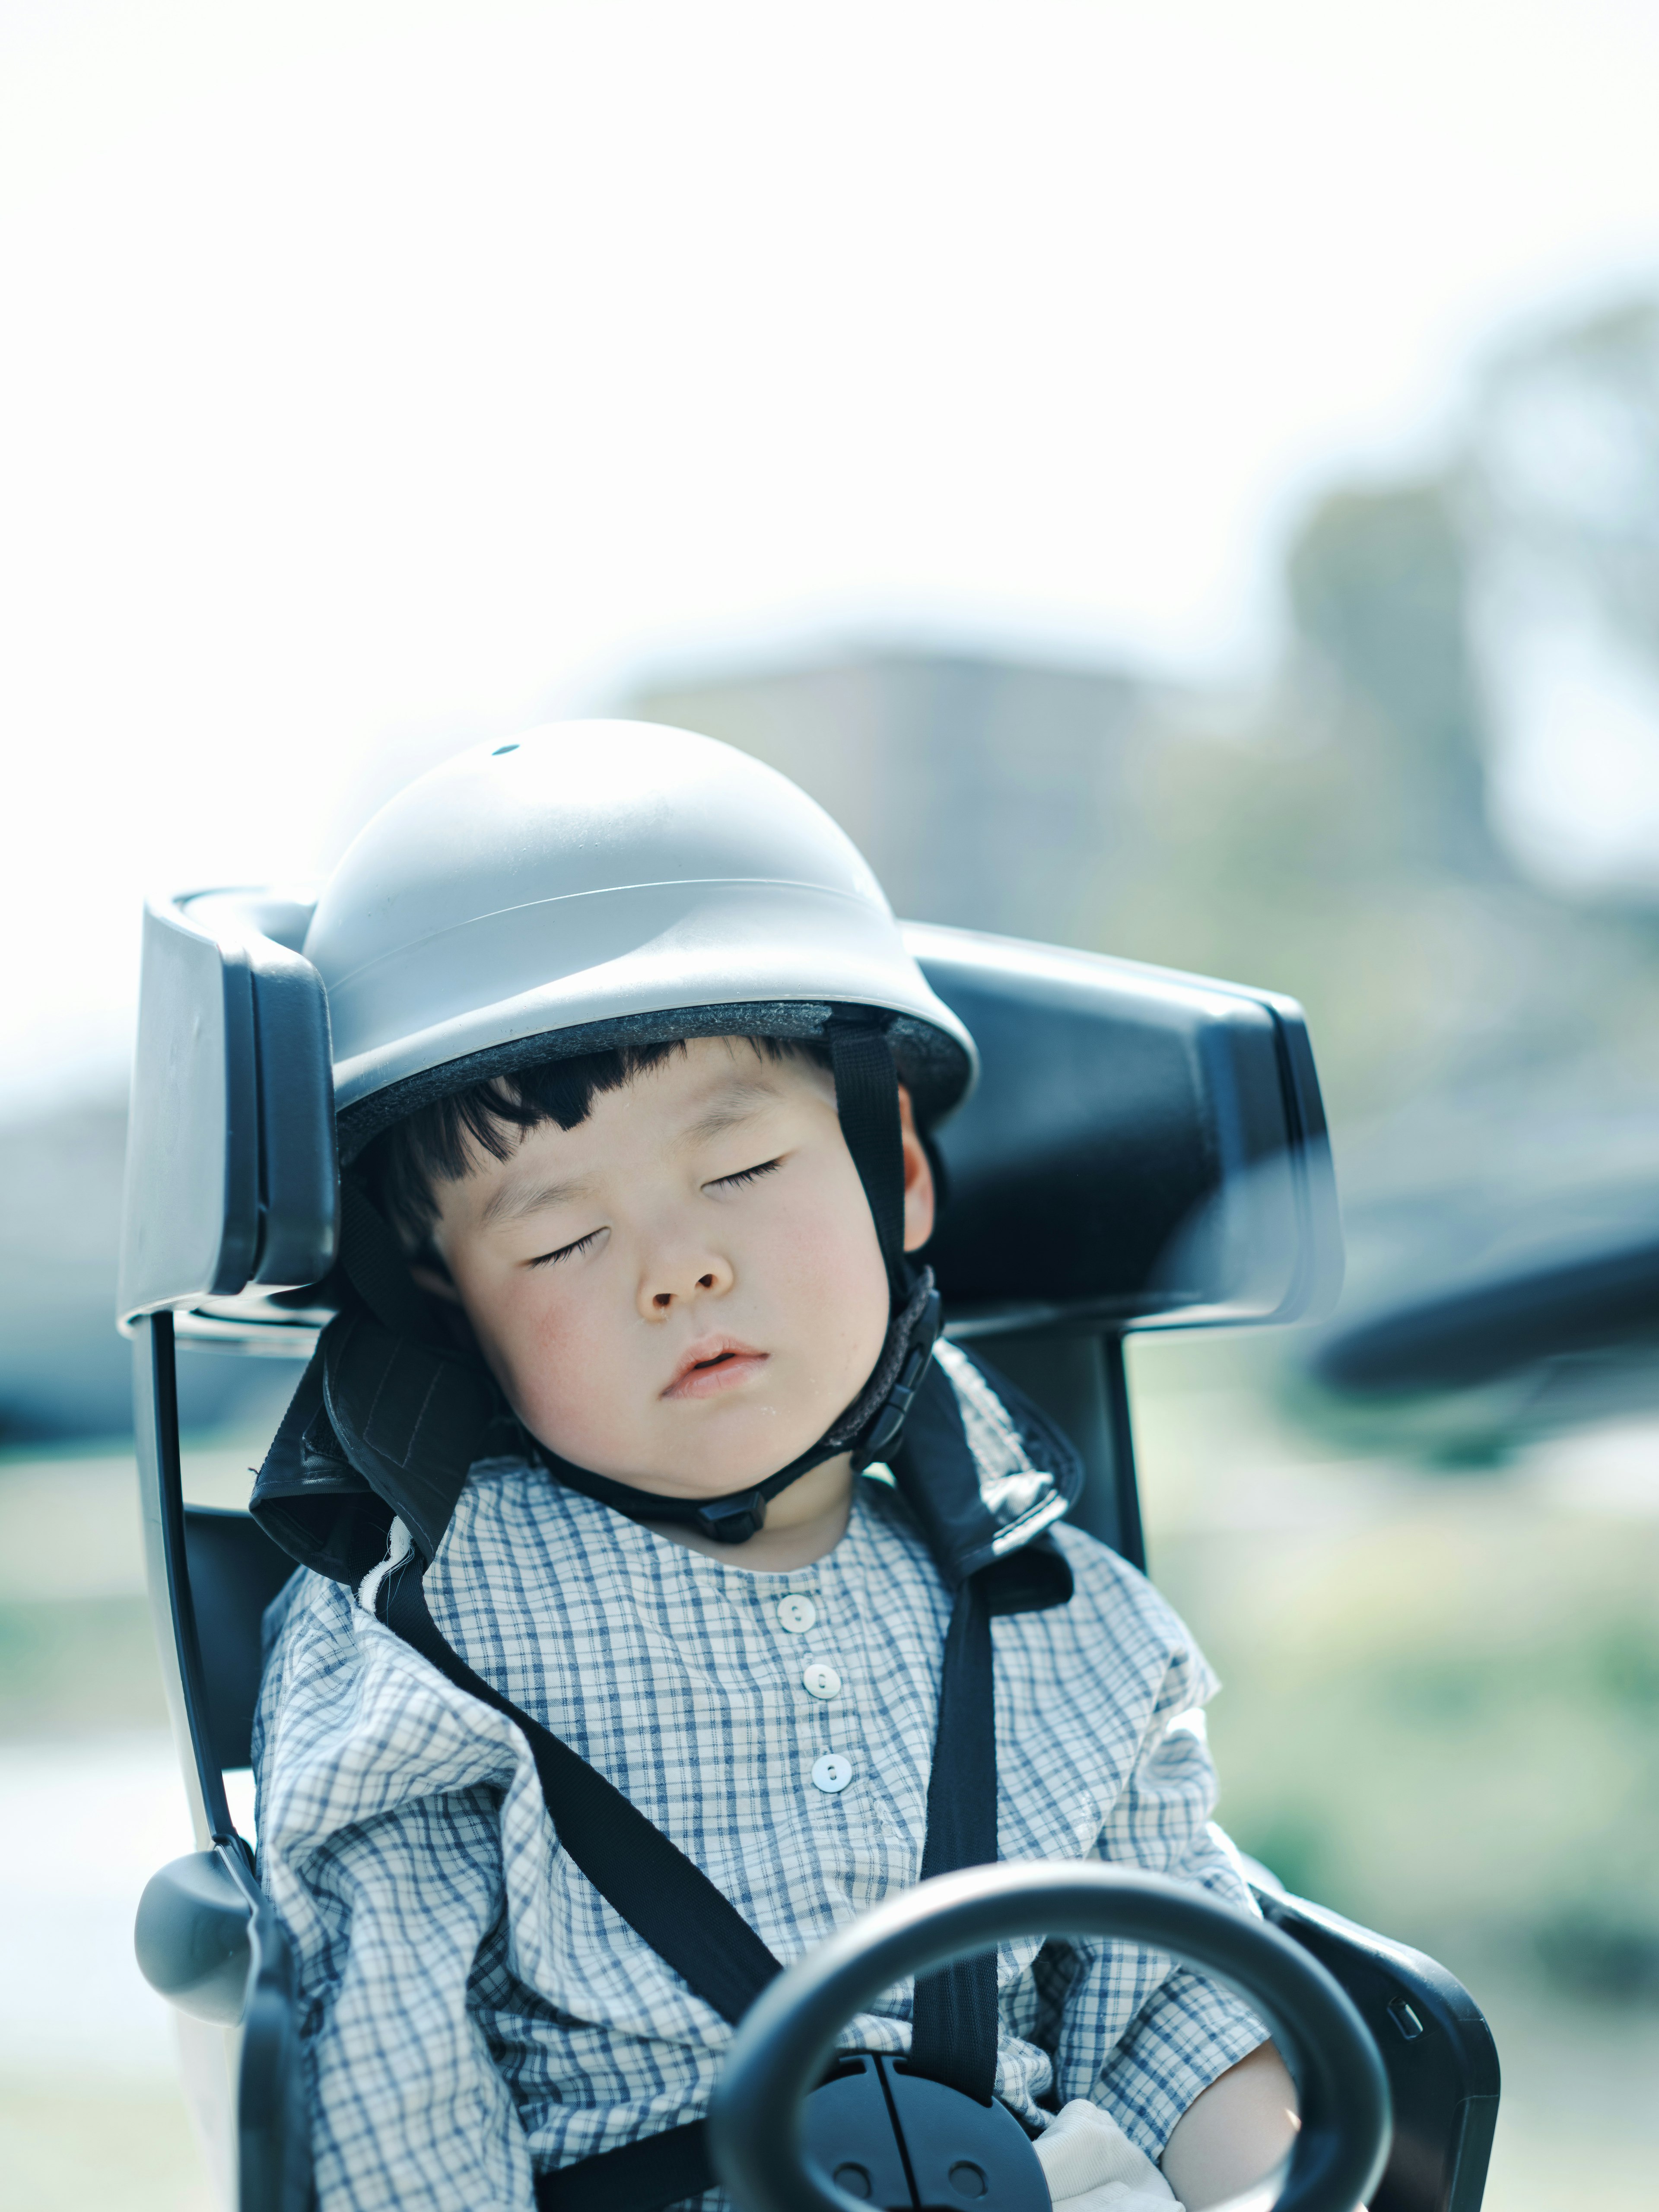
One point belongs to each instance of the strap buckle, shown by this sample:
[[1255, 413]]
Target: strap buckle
[[884, 1430], [732, 1520]]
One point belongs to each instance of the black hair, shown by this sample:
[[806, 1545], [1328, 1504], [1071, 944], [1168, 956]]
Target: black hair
[[435, 1143]]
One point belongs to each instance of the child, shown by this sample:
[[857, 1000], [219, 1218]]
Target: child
[[639, 1486]]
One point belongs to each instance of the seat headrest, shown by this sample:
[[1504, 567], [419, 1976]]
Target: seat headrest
[[1144, 1148]]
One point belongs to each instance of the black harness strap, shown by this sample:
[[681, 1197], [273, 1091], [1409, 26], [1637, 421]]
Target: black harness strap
[[672, 1904], [377, 1268], [867, 1100], [953, 2021], [643, 2176], [664, 1898]]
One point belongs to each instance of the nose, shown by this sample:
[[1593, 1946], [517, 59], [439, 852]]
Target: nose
[[676, 1279]]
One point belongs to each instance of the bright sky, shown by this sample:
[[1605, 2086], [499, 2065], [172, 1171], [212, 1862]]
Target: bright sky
[[380, 374]]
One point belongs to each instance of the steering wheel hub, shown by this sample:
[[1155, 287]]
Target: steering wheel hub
[[897, 2140]]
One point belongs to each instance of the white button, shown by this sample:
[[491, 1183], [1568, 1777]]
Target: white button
[[821, 1681], [796, 1613], [832, 1772]]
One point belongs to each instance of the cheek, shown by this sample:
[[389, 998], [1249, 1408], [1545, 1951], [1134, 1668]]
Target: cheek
[[824, 1262], [541, 1342]]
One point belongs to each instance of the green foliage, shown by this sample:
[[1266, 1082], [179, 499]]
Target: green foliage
[[68, 1665], [1440, 1700]]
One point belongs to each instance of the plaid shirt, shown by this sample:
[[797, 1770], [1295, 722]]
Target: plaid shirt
[[473, 2008]]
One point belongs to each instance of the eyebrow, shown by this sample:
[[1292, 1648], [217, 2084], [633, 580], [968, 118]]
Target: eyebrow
[[514, 1201], [740, 1101]]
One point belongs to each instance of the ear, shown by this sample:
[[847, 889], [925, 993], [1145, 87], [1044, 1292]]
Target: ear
[[918, 1179]]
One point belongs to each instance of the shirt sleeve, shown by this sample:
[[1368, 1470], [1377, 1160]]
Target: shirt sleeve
[[379, 1846], [1182, 2030]]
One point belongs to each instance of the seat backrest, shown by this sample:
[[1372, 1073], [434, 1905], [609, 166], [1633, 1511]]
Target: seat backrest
[[235, 1571], [1145, 1149]]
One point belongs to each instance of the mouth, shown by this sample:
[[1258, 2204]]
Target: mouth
[[715, 1364]]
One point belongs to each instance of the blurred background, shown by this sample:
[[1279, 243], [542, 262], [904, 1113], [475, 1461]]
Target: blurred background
[[1179, 479]]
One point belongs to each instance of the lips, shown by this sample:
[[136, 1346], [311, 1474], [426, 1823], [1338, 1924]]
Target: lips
[[715, 1364]]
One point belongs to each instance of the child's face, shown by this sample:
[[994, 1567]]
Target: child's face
[[683, 1292]]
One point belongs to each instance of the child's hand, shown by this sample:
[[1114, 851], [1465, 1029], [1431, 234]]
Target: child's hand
[[1092, 2166]]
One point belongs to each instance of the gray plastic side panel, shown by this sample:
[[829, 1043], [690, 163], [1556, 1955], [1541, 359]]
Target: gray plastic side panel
[[190, 1208], [232, 1172], [166, 1573]]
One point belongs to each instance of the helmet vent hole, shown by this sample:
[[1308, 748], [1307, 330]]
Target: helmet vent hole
[[500, 749]]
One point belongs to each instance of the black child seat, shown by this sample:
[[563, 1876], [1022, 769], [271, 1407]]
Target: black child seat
[[1146, 1149]]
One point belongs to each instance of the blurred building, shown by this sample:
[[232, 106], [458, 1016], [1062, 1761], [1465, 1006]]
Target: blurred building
[[991, 794]]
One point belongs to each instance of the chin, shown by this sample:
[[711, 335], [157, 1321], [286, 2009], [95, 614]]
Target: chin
[[713, 1473], [713, 1467]]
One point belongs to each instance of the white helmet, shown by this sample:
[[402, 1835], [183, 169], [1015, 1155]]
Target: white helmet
[[598, 882], [592, 884]]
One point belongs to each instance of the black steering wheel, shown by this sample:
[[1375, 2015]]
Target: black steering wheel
[[781, 2049]]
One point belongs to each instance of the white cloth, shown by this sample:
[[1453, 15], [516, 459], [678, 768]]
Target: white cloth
[[1091, 2166]]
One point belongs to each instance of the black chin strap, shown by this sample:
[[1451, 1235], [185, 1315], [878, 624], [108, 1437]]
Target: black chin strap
[[867, 1100], [953, 2018]]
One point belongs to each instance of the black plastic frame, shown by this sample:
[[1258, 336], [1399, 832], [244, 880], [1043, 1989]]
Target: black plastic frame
[[273, 2136], [172, 1610], [1079, 1379], [1436, 2046]]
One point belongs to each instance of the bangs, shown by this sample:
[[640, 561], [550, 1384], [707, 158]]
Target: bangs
[[440, 1142]]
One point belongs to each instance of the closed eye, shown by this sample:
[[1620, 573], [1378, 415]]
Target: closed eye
[[744, 1175], [566, 1251]]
